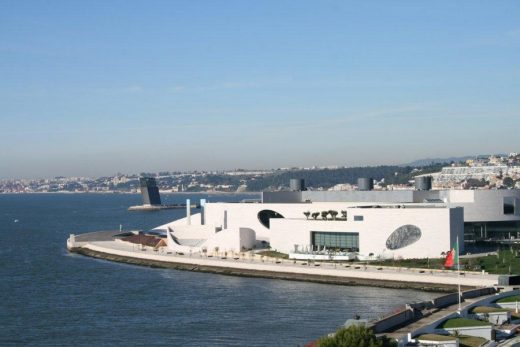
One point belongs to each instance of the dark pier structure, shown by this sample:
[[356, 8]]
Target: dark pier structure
[[152, 198], [149, 191]]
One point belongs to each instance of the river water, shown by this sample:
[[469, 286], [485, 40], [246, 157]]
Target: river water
[[49, 297]]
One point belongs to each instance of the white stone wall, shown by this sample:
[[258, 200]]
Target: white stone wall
[[374, 230], [231, 240], [193, 231], [509, 305], [423, 342], [195, 219], [497, 318], [245, 215], [439, 226], [483, 205]]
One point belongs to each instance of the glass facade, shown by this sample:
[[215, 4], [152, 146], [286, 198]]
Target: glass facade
[[339, 240], [479, 231]]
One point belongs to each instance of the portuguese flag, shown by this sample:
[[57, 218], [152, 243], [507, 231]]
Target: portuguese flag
[[452, 257]]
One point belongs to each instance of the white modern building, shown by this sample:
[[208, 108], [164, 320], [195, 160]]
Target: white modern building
[[488, 213], [366, 224], [363, 230]]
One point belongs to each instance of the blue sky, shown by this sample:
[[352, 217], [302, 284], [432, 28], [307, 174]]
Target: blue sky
[[97, 87]]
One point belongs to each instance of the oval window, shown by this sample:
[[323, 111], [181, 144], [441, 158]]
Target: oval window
[[403, 236], [264, 217]]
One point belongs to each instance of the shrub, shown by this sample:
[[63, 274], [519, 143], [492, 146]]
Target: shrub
[[354, 335]]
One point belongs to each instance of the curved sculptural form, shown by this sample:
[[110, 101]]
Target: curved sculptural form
[[403, 236]]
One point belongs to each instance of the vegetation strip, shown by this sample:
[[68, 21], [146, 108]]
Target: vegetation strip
[[435, 337], [486, 309], [462, 323], [505, 261], [513, 298]]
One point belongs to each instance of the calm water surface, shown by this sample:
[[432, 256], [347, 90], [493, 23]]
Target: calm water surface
[[52, 298]]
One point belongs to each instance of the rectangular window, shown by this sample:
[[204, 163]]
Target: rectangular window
[[509, 205], [345, 241], [358, 218]]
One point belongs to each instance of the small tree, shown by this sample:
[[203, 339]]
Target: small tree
[[333, 214], [324, 214], [508, 182], [306, 214], [315, 215], [344, 214], [354, 335]]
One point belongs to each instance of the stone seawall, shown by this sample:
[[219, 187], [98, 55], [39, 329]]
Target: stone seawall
[[353, 281]]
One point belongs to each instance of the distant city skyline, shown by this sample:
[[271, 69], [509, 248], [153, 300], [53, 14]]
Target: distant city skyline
[[415, 163], [95, 88]]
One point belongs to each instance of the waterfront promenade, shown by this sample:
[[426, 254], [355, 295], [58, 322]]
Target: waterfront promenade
[[103, 245]]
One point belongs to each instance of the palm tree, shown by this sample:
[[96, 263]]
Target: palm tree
[[307, 214], [324, 214]]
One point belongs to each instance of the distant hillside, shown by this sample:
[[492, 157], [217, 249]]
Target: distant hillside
[[327, 178], [429, 161]]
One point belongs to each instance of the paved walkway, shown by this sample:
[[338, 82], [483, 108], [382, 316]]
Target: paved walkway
[[104, 242], [435, 316], [515, 341], [97, 236]]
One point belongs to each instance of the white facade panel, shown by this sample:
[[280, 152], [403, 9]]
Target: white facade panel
[[439, 226], [436, 226]]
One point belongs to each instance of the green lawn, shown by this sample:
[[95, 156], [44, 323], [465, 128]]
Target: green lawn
[[507, 259], [501, 264], [487, 309], [513, 298], [435, 337], [462, 323], [471, 341]]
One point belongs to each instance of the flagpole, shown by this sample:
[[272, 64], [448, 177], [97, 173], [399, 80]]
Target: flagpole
[[458, 271]]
